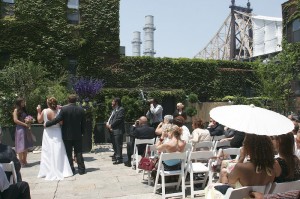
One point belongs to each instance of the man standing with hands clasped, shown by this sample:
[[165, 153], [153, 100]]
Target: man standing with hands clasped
[[116, 127], [73, 126]]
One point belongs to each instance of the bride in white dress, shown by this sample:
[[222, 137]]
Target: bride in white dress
[[54, 161]]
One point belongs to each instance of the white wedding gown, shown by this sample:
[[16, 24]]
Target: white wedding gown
[[54, 161]]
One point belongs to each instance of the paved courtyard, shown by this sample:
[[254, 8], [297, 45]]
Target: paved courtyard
[[102, 180]]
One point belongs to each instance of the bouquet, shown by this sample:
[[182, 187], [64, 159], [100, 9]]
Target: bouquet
[[29, 120]]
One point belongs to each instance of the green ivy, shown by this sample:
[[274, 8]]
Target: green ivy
[[40, 32]]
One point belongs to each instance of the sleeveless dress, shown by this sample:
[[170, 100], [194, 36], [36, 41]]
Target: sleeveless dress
[[23, 139], [54, 162]]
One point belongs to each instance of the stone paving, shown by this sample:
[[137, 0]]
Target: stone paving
[[102, 180]]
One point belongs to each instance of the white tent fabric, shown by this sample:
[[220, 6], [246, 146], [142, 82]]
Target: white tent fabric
[[267, 34]]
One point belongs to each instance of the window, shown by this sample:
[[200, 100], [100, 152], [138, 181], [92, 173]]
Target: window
[[8, 1], [296, 30], [72, 65], [73, 12], [8, 8], [73, 4]]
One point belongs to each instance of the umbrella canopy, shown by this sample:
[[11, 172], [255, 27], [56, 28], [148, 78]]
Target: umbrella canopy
[[252, 119]]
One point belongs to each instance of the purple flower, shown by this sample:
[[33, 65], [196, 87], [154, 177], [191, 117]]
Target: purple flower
[[87, 88]]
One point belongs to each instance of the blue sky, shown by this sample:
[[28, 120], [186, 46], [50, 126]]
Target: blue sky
[[183, 27]]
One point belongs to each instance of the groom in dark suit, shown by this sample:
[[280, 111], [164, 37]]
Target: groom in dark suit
[[73, 126], [116, 127]]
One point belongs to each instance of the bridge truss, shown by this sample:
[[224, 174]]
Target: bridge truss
[[243, 36], [220, 45]]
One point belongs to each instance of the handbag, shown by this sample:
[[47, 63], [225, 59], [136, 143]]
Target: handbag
[[31, 136], [147, 163]]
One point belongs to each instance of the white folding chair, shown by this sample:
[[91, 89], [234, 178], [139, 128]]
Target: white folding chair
[[10, 167], [284, 187], [230, 151], [199, 167], [205, 145], [219, 144], [161, 172], [243, 192], [188, 147], [218, 137], [135, 158]]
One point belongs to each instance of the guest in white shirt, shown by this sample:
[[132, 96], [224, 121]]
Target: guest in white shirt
[[199, 134], [179, 121]]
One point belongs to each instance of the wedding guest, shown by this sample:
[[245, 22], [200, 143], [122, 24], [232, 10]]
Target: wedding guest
[[215, 129], [179, 111], [175, 144], [116, 127], [199, 134], [167, 123], [140, 130], [259, 170], [7, 154], [23, 139], [154, 113], [288, 161], [20, 190], [185, 135], [295, 119]]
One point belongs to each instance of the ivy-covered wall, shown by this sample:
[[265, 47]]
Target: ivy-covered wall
[[39, 31], [209, 79]]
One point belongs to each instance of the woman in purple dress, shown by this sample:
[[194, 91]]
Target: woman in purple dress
[[23, 139]]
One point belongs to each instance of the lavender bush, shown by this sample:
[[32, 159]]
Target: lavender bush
[[87, 88]]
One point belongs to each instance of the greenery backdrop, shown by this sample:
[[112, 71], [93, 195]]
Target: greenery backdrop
[[37, 42]]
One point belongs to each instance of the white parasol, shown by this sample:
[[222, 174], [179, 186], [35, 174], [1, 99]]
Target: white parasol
[[252, 119]]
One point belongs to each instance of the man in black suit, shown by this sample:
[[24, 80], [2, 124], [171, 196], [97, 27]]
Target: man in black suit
[[116, 127], [139, 130], [215, 129], [73, 127]]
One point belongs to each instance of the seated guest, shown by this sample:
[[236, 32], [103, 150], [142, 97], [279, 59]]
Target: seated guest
[[166, 124], [179, 121], [235, 137], [257, 171], [228, 132], [140, 130], [199, 134], [175, 144], [215, 129], [288, 161], [295, 119], [13, 191], [7, 154]]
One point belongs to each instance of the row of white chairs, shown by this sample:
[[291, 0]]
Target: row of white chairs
[[272, 188], [10, 167], [191, 162]]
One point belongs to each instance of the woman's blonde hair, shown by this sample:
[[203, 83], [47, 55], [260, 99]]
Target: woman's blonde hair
[[177, 131]]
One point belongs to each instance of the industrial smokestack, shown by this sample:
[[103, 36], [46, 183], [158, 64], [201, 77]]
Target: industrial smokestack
[[149, 36], [136, 43]]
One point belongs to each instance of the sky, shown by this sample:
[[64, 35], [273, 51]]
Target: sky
[[183, 27]]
